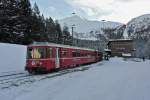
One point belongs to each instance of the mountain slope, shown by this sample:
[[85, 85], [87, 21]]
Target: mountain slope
[[139, 26], [88, 29], [139, 30]]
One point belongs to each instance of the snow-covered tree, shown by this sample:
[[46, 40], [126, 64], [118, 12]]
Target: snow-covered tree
[[19, 23], [9, 27], [147, 49]]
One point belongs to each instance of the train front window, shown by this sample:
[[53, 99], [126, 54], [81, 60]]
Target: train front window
[[36, 53]]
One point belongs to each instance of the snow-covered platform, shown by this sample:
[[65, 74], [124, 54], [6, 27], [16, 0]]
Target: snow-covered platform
[[113, 80]]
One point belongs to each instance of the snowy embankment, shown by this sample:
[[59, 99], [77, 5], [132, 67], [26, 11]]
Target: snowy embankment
[[12, 57], [113, 80]]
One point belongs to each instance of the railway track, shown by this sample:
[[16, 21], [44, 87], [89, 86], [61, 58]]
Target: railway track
[[12, 76], [18, 79]]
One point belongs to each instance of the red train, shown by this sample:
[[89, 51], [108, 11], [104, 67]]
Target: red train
[[46, 57]]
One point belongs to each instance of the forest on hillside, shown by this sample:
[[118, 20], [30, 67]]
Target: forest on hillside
[[20, 23]]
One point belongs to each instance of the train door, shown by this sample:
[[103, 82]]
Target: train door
[[57, 58]]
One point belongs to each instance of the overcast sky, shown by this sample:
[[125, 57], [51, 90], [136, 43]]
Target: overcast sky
[[112, 10]]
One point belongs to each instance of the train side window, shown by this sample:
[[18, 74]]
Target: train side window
[[76, 54], [64, 53], [50, 52], [73, 54]]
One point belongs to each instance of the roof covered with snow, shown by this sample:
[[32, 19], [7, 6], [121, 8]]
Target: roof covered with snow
[[113, 40]]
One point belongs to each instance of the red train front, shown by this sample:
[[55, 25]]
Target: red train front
[[46, 57]]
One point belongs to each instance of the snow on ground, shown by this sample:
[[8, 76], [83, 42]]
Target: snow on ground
[[12, 57], [108, 80]]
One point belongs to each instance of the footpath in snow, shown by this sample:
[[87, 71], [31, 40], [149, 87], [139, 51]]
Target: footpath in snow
[[108, 80]]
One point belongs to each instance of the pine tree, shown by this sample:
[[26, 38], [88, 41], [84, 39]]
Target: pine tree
[[58, 32], [50, 25], [42, 24], [50, 30], [38, 25], [8, 17], [36, 10], [19, 23], [66, 36], [25, 16]]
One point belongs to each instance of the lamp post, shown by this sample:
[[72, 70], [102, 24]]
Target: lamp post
[[73, 26]]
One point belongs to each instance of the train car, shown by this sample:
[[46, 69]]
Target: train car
[[46, 57]]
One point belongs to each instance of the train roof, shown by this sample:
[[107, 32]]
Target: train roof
[[58, 45]]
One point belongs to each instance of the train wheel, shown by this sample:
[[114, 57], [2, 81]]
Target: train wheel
[[77, 65], [31, 72]]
